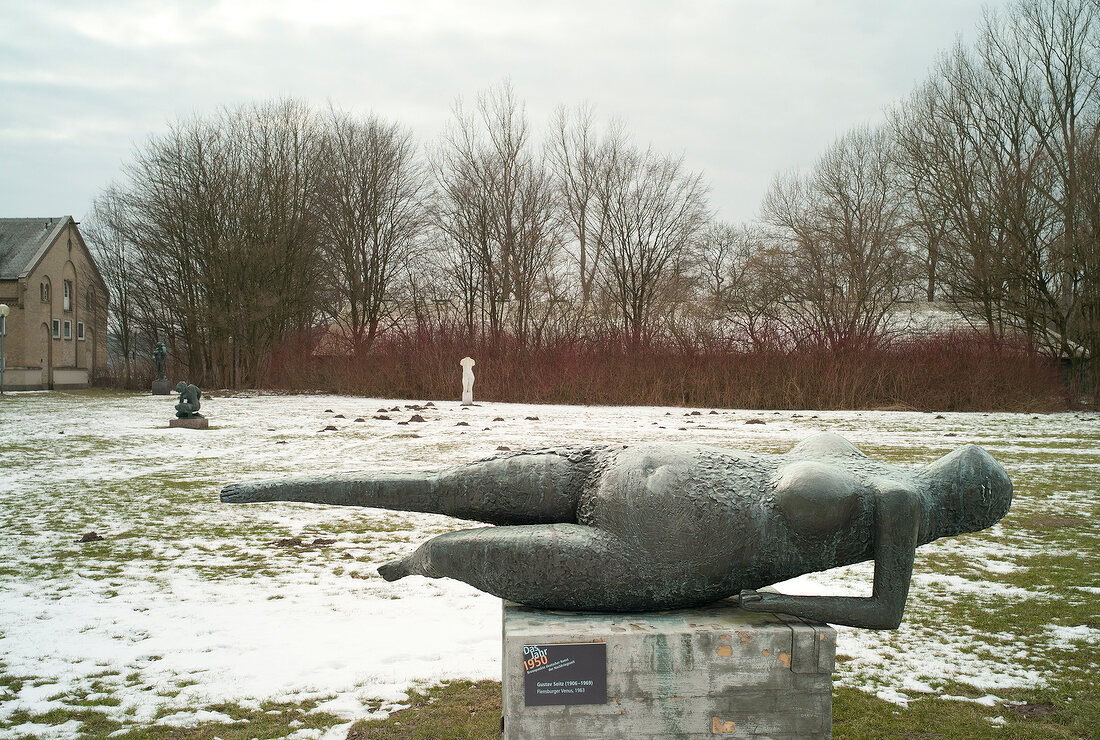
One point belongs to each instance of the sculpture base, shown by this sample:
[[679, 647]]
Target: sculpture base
[[200, 422], [160, 387], [690, 673]]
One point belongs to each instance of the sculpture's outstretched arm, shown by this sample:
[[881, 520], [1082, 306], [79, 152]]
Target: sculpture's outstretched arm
[[404, 491], [521, 489], [897, 522]]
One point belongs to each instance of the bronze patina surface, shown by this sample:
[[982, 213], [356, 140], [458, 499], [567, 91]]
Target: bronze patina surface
[[663, 525]]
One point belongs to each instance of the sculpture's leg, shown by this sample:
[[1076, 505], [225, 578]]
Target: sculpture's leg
[[519, 489], [557, 566]]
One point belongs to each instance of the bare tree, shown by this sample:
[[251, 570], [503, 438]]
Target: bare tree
[[954, 164], [107, 231], [996, 146], [372, 211], [1046, 55], [741, 280], [223, 215], [496, 206], [576, 155], [651, 209], [721, 254], [914, 129], [838, 237], [1088, 172]]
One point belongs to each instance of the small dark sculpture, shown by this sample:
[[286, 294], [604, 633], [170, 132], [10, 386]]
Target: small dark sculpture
[[660, 526], [159, 353], [188, 407]]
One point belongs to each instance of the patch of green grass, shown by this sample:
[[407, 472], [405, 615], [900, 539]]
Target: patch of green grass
[[93, 723], [271, 720], [472, 710], [9, 681], [861, 716], [459, 710]]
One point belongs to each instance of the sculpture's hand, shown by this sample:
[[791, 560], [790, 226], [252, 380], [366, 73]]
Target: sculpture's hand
[[237, 493], [755, 601], [320, 489], [404, 491]]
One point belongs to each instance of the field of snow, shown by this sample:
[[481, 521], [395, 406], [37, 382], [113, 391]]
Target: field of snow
[[186, 604]]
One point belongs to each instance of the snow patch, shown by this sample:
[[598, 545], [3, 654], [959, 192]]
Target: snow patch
[[1065, 637], [70, 730], [198, 717], [989, 700]]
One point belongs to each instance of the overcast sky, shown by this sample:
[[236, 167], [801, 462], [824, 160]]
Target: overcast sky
[[744, 89]]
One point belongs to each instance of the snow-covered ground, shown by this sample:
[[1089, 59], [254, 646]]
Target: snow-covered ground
[[188, 603]]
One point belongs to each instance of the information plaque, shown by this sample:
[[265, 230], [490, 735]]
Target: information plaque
[[571, 673]]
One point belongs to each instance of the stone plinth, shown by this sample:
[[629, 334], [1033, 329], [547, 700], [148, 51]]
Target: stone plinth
[[160, 387], [200, 422], [714, 671]]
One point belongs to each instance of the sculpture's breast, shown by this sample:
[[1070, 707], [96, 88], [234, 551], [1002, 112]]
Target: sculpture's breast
[[827, 512], [817, 499]]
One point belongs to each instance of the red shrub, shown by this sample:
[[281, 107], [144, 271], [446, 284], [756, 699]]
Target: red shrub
[[959, 370]]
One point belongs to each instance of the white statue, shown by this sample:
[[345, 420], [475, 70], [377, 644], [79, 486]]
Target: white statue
[[467, 381]]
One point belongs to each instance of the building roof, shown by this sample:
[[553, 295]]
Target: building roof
[[24, 240]]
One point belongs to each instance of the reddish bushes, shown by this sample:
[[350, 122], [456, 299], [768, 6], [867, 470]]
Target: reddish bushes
[[953, 371]]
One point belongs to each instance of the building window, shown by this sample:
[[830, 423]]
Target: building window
[[57, 328], [68, 291], [68, 329], [80, 330], [44, 292]]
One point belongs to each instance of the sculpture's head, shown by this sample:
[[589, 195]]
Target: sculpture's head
[[181, 386], [970, 491]]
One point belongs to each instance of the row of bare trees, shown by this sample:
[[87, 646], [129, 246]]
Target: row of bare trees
[[212, 245], [233, 231], [236, 231], [587, 227], [1000, 149], [981, 189]]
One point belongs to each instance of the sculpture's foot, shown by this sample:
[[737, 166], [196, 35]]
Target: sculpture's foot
[[394, 570], [417, 563]]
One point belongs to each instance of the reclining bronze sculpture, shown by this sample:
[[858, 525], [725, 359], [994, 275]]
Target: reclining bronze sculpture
[[660, 526]]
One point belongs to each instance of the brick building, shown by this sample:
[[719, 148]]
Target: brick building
[[57, 325]]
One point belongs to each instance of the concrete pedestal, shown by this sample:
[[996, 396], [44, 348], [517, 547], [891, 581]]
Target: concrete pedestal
[[693, 673], [199, 423], [160, 387]]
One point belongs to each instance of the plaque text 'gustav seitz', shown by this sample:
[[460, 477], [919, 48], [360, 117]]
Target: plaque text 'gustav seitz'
[[565, 674]]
